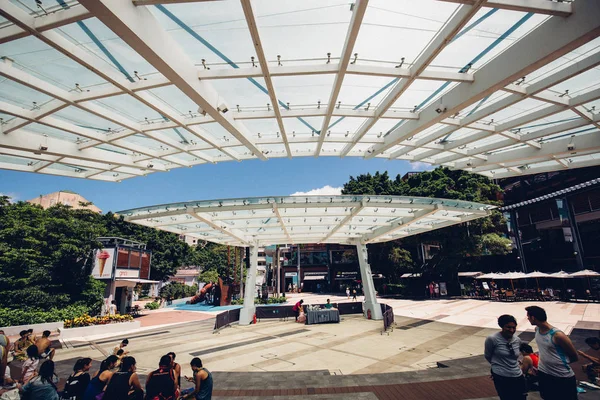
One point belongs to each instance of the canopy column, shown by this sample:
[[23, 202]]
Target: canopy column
[[370, 302], [247, 312]]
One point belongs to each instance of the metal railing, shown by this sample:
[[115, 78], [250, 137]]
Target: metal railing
[[388, 318]]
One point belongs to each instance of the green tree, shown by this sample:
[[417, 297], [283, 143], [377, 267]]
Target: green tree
[[45, 256], [474, 238]]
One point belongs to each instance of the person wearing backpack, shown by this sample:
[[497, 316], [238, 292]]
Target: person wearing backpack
[[79, 380], [161, 384]]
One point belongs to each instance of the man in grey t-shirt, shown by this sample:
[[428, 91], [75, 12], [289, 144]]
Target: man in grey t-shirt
[[502, 352]]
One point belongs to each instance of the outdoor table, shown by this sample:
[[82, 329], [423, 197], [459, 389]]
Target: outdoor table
[[322, 316]]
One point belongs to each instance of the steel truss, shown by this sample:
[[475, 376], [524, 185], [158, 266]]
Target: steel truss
[[492, 149]]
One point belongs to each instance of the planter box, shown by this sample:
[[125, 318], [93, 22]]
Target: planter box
[[99, 329], [37, 328]]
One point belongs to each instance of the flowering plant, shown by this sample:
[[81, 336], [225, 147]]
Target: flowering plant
[[86, 320]]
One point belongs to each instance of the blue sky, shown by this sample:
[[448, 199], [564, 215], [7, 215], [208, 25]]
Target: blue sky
[[275, 177]]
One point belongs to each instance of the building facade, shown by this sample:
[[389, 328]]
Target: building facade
[[554, 219], [66, 198]]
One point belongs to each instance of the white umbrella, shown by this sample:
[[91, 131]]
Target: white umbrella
[[491, 275], [584, 273], [536, 275], [560, 274], [514, 275], [511, 276]]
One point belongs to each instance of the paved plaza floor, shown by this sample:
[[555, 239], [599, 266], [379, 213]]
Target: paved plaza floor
[[435, 350]]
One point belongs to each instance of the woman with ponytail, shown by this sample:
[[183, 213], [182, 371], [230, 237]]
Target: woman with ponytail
[[78, 382], [125, 384], [95, 389]]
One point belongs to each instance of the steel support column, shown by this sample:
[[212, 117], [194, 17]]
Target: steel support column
[[577, 245], [247, 312], [514, 222], [370, 302]]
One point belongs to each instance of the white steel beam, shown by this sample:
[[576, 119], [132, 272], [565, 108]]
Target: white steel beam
[[156, 2], [55, 40], [460, 18], [359, 9], [558, 35], [264, 66], [533, 6], [45, 22], [569, 146], [287, 235], [379, 232], [332, 68], [35, 143], [544, 112], [215, 225], [137, 27], [355, 211], [538, 169]]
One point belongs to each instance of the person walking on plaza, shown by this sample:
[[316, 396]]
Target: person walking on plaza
[[556, 377], [353, 294], [348, 292], [502, 352], [203, 381], [297, 308]]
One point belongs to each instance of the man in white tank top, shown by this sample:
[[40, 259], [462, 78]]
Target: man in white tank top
[[556, 377]]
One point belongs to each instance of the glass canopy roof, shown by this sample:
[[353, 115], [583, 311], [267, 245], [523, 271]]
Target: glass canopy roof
[[306, 219], [114, 89]]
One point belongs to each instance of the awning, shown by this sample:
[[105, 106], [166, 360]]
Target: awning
[[469, 274], [137, 280], [314, 278]]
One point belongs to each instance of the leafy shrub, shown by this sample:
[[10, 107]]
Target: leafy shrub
[[276, 300], [12, 317], [270, 300], [176, 290], [86, 320], [152, 306]]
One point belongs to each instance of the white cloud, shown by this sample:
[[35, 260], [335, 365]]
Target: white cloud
[[325, 190], [13, 197], [420, 166]]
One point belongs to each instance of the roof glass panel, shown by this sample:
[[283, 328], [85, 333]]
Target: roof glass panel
[[146, 111]]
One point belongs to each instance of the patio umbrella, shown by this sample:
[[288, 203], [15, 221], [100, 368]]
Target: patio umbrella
[[536, 275], [491, 275], [562, 275], [586, 273], [513, 275]]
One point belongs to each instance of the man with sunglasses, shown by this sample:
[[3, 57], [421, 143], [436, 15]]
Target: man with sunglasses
[[502, 352]]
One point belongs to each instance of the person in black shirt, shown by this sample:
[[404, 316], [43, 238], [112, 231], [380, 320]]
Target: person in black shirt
[[161, 383], [125, 384], [79, 380]]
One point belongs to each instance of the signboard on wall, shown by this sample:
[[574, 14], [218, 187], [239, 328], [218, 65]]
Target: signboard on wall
[[127, 273], [103, 263]]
